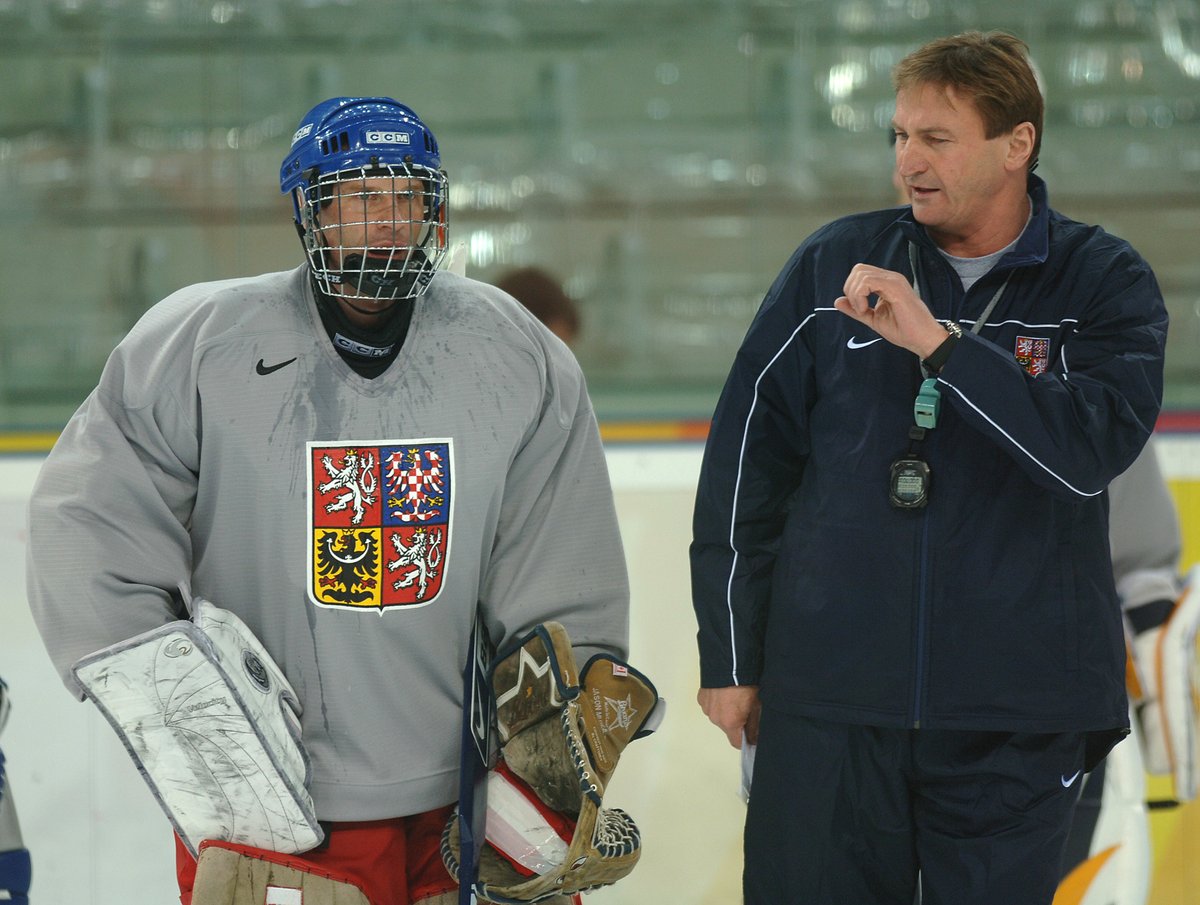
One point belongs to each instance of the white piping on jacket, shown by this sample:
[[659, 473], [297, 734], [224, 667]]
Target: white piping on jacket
[[738, 484]]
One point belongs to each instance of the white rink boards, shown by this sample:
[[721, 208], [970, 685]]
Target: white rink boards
[[97, 836]]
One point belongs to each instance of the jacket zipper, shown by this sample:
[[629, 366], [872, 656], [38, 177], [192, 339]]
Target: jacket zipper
[[922, 606], [957, 301]]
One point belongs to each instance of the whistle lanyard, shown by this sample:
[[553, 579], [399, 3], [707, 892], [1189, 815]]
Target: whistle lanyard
[[929, 397], [911, 479]]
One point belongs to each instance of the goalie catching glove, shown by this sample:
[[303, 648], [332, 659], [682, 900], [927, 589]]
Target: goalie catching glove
[[562, 732], [213, 726]]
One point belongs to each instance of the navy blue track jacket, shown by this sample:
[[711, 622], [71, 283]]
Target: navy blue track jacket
[[991, 608]]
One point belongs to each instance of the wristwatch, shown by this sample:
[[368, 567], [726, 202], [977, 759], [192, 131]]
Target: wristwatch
[[937, 359]]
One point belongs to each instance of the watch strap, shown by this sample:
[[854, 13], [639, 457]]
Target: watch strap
[[938, 357]]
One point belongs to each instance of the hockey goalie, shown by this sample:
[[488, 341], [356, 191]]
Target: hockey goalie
[[286, 443], [561, 732]]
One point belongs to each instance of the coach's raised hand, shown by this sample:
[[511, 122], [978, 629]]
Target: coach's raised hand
[[898, 315]]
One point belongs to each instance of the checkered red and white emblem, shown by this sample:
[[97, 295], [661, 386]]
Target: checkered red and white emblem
[[379, 522], [1033, 353]]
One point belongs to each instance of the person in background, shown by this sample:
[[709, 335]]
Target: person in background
[[900, 562], [544, 296]]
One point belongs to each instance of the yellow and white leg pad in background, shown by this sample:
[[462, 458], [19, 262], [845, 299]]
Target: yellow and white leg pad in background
[[1179, 687], [1167, 696]]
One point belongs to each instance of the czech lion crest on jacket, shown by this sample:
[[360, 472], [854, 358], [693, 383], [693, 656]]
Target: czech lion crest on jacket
[[378, 522]]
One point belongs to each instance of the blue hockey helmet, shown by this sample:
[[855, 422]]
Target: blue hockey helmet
[[369, 197]]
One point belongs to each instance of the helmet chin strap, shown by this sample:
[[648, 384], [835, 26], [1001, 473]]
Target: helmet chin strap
[[372, 275], [377, 312]]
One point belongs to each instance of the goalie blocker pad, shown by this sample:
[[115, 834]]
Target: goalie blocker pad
[[562, 731], [213, 726]]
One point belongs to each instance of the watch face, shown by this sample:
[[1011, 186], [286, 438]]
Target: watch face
[[909, 485]]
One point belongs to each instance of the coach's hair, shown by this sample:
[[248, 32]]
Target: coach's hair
[[992, 68]]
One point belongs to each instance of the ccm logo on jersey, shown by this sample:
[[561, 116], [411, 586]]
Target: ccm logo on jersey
[[388, 138]]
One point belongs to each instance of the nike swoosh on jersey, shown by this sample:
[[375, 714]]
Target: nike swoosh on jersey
[[854, 343], [265, 369], [1068, 782]]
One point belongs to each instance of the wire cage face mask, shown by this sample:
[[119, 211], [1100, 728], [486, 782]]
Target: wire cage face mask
[[376, 232], [369, 196]]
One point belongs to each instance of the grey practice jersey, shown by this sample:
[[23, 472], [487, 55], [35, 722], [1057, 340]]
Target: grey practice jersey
[[353, 524]]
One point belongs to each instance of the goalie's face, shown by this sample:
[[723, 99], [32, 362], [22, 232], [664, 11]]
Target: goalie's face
[[372, 215], [375, 239]]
